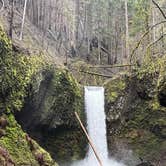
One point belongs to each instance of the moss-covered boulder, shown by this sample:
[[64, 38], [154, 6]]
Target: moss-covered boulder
[[43, 99], [136, 115], [48, 114], [16, 72], [17, 148]]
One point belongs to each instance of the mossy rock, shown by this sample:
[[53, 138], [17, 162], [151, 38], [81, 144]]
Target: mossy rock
[[17, 146], [54, 97], [80, 70], [136, 115], [17, 73], [115, 88], [49, 110]]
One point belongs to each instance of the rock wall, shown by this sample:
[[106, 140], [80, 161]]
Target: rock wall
[[48, 114], [16, 71], [136, 115], [42, 99]]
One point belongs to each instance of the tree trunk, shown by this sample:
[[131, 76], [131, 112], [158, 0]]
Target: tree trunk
[[11, 19], [127, 31], [23, 19], [77, 17]]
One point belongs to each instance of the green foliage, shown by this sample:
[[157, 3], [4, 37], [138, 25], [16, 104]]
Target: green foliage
[[15, 74]]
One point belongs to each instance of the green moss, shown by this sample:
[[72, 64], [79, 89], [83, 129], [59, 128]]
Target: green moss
[[67, 98], [16, 73], [84, 78], [143, 116], [53, 104], [16, 144], [115, 88], [68, 94], [144, 132], [148, 145], [67, 145]]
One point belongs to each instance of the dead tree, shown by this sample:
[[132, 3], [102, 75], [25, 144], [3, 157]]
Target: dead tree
[[23, 19]]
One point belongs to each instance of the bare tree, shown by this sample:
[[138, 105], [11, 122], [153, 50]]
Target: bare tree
[[127, 29], [11, 19], [23, 19]]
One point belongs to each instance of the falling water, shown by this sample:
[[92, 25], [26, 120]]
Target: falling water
[[96, 126]]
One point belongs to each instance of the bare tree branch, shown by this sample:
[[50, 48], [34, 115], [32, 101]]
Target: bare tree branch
[[151, 44], [157, 5], [143, 36]]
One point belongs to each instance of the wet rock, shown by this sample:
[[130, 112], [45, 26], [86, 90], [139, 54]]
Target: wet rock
[[145, 164], [136, 116]]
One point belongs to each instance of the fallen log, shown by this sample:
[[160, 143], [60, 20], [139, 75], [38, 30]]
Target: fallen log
[[93, 73], [89, 139], [110, 66]]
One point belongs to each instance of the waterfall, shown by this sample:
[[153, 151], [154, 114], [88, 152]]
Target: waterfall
[[94, 106], [96, 126]]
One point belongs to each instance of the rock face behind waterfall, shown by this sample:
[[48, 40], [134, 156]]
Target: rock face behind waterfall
[[48, 114], [136, 116]]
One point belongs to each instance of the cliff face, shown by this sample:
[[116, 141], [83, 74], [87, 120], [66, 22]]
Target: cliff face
[[16, 147], [42, 99], [136, 115]]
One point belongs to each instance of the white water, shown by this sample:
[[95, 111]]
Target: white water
[[94, 106]]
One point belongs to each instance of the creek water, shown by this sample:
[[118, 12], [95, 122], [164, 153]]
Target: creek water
[[96, 126]]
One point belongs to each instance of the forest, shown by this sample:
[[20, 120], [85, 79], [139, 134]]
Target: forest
[[83, 82]]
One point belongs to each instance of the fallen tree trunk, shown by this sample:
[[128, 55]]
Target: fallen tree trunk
[[110, 66], [93, 73], [89, 139]]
